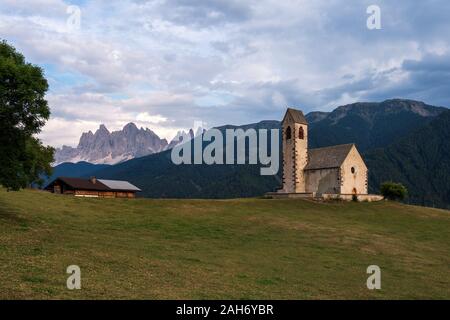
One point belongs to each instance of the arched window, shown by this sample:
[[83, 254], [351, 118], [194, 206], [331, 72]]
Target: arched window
[[301, 134], [288, 133]]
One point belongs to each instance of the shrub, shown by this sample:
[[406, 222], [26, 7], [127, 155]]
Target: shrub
[[393, 191]]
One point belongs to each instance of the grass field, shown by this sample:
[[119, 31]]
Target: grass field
[[219, 249]]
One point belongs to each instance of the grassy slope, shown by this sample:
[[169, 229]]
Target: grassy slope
[[252, 248]]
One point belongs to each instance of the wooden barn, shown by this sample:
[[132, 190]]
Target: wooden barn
[[93, 187]]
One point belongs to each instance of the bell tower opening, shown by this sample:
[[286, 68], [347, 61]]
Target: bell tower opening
[[288, 133]]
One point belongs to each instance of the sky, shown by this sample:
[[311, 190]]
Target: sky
[[170, 64]]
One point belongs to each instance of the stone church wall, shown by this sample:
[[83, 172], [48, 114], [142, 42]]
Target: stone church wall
[[322, 181], [355, 179]]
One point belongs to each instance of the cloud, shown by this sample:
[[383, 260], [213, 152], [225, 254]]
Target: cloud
[[225, 61], [145, 117], [206, 13]]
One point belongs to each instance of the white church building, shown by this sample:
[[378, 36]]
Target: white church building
[[331, 172]]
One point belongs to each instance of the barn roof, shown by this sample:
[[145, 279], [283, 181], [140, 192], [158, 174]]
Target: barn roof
[[85, 184], [328, 157], [119, 185], [296, 115], [99, 185]]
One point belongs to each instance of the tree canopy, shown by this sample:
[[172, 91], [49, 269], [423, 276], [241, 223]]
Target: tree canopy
[[23, 112], [393, 191]]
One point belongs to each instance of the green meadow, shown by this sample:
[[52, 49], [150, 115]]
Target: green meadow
[[219, 249]]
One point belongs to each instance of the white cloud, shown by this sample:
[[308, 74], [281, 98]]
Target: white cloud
[[59, 131], [152, 119]]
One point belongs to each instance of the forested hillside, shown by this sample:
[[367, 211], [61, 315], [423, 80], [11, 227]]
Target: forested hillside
[[421, 161]]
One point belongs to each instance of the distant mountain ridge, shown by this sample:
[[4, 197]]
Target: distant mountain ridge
[[369, 124], [104, 147], [74, 170]]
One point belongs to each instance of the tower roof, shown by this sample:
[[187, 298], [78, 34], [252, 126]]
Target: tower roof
[[297, 116]]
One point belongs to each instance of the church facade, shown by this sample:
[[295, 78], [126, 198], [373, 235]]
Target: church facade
[[322, 172]]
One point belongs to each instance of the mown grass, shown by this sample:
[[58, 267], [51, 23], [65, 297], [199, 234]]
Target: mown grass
[[219, 249]]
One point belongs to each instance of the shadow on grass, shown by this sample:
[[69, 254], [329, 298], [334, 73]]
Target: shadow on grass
[[11, 215]]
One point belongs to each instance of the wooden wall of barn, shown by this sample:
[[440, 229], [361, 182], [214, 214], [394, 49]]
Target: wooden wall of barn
[[104, 194]]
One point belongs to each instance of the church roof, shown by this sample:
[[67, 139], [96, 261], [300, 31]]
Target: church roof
[[328, 157], [296, 115]]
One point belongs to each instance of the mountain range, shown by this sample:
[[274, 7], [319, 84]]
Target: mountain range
[[368, 124], [401, 140], [105, 147]]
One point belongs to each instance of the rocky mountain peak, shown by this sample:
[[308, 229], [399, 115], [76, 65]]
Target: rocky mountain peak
[[105, 147], [102, 130], [130, 128]]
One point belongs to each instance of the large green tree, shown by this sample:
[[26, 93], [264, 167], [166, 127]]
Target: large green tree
[[23, 112]]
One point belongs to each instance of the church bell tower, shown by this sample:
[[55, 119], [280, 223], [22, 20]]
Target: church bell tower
[[295, 151]]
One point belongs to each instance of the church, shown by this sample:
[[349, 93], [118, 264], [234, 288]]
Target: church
[[331, 172]]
